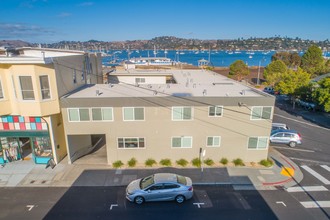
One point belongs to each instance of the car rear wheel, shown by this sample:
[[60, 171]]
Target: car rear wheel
[[139, 200], [180, 199], [292, 144]]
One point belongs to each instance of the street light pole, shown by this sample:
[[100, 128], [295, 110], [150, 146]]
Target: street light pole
[[258, 72]]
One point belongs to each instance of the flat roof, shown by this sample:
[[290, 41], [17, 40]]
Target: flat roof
[[190, 83]]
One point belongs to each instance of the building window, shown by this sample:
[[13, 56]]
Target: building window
[[258, 143], [181, 113], [44, 85], [132, 142], [1, 91], [26, 87], [133, 114], [213, 141], [182, 142], [140, 80], [78, 114], [102, 114], [215, 111], [261, 112]]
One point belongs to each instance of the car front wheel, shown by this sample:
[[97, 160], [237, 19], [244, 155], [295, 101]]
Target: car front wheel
[[292, 144], [180, 199], [139, 200]]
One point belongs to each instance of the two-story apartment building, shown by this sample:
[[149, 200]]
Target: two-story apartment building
[[31, 82], [169, 114]]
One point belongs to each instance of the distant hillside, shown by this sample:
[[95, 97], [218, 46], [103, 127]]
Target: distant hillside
[[175, 43], [14, 43]]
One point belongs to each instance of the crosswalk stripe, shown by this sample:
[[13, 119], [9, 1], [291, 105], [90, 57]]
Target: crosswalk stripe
[[326, 167], [316, 175], [306, 189], [316, 204]]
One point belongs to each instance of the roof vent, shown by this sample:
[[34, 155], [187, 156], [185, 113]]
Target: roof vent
[[204, 92]]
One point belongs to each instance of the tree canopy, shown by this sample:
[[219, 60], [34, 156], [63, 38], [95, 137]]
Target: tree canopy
[[292, 81], [312, 61], [273, 72], [238, 70], [290, 59], [322, 94]]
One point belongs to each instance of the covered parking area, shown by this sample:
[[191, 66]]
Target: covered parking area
[[87, 149]]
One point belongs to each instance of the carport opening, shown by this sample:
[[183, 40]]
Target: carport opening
[[87, 149]]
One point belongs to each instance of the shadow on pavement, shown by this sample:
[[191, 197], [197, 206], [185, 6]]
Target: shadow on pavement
[[100, 194]]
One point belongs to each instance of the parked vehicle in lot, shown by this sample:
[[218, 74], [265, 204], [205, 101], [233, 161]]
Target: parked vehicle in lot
[[290, 137], [160, 187], [278, 126]]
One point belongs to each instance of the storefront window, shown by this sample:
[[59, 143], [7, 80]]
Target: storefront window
[[10, 149], [42, 147]]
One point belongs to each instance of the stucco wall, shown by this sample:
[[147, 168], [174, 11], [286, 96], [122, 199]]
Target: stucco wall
[[234, 127]]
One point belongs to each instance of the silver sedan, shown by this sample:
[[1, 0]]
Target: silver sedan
[[160, 187]]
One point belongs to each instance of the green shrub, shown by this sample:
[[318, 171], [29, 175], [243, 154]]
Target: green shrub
[[132, 162], [166, 162], [117, 164], [208, 162], [224, 161], [182, 162], [196, 162], [150, 162], [266, 163], [238, 162]]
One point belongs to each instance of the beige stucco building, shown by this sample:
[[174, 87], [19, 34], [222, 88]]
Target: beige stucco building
[[31, 82], [169, 114]]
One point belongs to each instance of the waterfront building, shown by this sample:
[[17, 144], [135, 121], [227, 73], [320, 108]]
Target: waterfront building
[[32, 80], [168, 114]]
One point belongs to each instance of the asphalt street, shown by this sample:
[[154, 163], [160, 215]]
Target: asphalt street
[[315, 148]]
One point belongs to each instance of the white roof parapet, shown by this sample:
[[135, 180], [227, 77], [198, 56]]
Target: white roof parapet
[[26, 60]]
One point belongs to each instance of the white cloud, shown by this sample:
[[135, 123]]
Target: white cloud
[[22, 31]]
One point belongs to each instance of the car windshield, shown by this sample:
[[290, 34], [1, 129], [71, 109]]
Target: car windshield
[[182, 179], [147, 181]]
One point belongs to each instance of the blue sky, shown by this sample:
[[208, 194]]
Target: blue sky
[[47, 21]]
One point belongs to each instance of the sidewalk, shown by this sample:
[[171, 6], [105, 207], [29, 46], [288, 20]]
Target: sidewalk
[[27, 174]]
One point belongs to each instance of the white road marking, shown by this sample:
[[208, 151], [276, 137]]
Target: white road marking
[[311, 161], [316, 204], [113, 205], [317, 175], [326, 167], [302, 122], [198, 204], [280, 202], [295, 149], [306, 189], [30, 207]]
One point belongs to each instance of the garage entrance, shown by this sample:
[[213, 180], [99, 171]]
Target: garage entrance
[[87, 149]]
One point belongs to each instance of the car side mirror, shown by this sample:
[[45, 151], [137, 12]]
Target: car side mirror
[[149, 191]]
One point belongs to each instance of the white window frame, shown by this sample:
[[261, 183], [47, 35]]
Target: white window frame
[[260, 118], [182, 108], [2, 91], [133, 148], [20, 85], [89, 114], [216, 106], [101, 114], [123, 112], [140, 79], [213, 141], [257, 148], [50, 94], [181, 137]]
